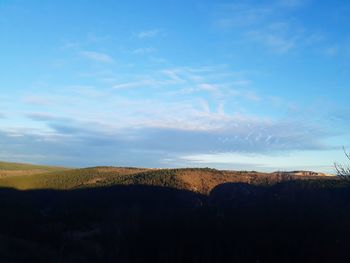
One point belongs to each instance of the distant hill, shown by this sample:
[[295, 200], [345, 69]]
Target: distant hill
[[17, 169], [201, 180], [304, 173]]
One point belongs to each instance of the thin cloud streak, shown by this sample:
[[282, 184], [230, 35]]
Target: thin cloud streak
[[271, 25], [144, 50], [97, 56], [80, 142], [148, 33]]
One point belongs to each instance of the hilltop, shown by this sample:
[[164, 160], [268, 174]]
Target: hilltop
[[18, 169], [200, 180]]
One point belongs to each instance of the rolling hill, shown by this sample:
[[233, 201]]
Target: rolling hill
[[19, 169], [201, 180]]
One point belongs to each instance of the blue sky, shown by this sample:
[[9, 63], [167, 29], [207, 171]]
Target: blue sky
[[257, 85]]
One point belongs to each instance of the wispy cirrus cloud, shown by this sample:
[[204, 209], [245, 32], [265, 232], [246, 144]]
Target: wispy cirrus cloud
[[331, 50], [334, 50], [292, 3], [241, 15], [148, 33], [97, 56], [96, 126], [37, 100], [296, 160], [182, 81], [272, 25], [144, 50], [276, 42], [43, 116], [147, 82], [215, 134]]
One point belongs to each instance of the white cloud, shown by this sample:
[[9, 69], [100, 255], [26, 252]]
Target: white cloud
[[208, 87], [331, 51], [71, 45], [173, 75], [188, 131], [273, 25], [42, 116], [148, 33], [92, 37], [241, 15], [296, 160], [146, 111], [274, 41], [292, 3], [145, 50], [97, 56], [37, 100], [135, 84]]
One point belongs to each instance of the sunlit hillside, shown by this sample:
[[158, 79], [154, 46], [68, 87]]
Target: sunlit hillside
[[201, 180], [19, 169]]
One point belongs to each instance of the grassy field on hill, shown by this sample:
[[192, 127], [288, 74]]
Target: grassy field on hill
[[20, 169]]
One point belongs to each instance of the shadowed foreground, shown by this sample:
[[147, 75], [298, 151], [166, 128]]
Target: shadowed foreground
[[286, 222]]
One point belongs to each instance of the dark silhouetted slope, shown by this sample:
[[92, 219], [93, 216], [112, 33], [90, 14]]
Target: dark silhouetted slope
[[236, 222]]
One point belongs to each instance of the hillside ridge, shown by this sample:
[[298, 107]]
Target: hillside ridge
[[201, 180]]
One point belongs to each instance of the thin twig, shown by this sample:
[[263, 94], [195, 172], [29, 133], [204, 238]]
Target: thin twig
[[343, 171]]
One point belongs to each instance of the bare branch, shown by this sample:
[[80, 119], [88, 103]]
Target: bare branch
[[346, 153], [343, 171]]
